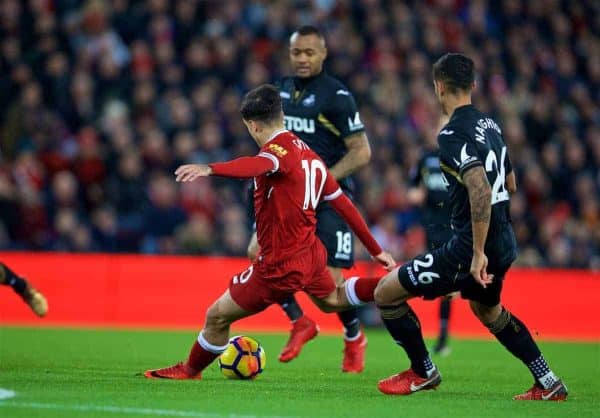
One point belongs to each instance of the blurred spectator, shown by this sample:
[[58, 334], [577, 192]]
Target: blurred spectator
[[162, 216], [102, 99]]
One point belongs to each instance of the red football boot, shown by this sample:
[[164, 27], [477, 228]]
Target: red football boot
[[303, 330], [558, 392], [409, 382], [180, 371], [354, 355]]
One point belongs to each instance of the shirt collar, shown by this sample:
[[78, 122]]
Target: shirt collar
[[276, 133], [301, 82]]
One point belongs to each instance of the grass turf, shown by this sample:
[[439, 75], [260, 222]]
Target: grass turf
[[95, 373]]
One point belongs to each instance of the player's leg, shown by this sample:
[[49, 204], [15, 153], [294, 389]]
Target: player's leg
[[303, 329], [338, 239], [438, 235], [31, 296], [248, 294], [441, 346], [210, 343], [354, 292], [349, 317], [516, 338], [405, 328], [349, 293], [428, 276], [301, 325], [355, 341]]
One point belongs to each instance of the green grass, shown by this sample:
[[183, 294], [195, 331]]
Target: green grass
[[95, 373]]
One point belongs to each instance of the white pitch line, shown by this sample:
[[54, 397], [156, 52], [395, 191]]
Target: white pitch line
[[125, 410], [6, 394]]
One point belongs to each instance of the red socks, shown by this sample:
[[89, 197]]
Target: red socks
[[360, 290], [202, 354]]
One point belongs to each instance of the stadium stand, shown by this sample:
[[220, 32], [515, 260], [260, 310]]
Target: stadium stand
[[101, 100]]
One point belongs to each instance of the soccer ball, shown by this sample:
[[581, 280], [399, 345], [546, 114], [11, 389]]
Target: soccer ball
[[243, 358]]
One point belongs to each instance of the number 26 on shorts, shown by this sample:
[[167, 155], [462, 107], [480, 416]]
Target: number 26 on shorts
[[425, 277]]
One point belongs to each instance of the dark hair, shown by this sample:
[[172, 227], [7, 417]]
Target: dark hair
[[309, 30], [262, 104], [456, 71]]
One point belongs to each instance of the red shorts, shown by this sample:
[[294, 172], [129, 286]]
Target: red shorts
[[260, 285]]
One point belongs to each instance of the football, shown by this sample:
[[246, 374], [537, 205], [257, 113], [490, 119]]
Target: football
[[244, 358]]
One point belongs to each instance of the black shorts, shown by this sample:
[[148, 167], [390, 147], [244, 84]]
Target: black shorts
[[446, 270], [337, 237], [437, 235]]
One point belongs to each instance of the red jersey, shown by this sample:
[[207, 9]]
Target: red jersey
[[285, 199], [290, 181]]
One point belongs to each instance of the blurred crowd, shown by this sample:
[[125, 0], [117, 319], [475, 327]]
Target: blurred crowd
[[102, 99]]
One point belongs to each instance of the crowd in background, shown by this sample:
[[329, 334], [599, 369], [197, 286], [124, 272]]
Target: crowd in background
[[101, 100]]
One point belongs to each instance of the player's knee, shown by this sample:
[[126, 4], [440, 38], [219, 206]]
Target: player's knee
[[486, 314], [389, 291], [215, 318], [337, 275], [333, 302], [381, 295]]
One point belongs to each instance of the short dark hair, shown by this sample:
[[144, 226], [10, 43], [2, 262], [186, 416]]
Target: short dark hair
[[456, 71], [309, 30], [262, 104]]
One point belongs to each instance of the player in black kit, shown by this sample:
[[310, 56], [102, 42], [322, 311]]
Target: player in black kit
[[428, 190], [322, 112], [479, 177]]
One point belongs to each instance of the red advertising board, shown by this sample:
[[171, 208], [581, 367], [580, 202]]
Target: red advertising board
[[174, 292]]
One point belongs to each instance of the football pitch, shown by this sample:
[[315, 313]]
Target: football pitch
[[96, 373]]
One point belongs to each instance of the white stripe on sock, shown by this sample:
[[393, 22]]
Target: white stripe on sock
[[351, 292], [352, 338], [548, 380], [215, 349]]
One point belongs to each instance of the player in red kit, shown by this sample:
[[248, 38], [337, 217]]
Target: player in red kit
[[290, 181]]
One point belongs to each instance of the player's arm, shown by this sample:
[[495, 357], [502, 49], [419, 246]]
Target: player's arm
[[358, 155], [243, 167], [480, 199], [511, 179], [343, 113], [511, 182], [416, 195], [253, 247], [346, 209]]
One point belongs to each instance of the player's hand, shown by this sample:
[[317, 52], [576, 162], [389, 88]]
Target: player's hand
[[386, 260], [478, 269], [191, 172]]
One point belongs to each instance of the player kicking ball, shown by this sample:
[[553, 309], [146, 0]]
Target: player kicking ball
[[290, 181], [473, 156]]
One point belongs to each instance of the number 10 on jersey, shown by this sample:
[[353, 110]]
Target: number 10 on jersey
[[312, 193]]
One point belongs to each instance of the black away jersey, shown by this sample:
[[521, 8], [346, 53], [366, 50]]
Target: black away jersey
[[322, 112], [472, 139], [428, 172]]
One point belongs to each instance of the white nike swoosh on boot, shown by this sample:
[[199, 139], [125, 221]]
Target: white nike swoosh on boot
[[548, 396], [414, 388]]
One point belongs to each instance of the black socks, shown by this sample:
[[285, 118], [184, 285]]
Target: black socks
[[404, 327], [11, 279], [514, 335], [351, 323], [292, 308]]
